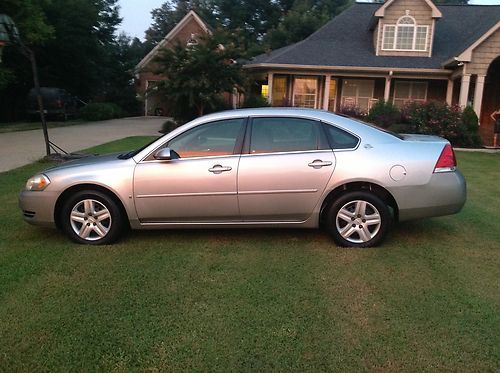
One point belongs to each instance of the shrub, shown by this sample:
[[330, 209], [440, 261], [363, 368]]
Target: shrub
[[384, 114], [434, 118], [169, 125], [255, 101], [352, 111], [469, 135], [101, 111]]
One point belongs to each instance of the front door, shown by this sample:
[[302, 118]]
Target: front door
[[197, 187], [286, 170]]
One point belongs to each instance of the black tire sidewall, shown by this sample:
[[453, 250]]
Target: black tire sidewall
[[116, 217], [382, 208]]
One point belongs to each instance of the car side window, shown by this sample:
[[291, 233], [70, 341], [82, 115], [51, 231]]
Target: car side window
[[340, 139], [210, 139], [285, 134]]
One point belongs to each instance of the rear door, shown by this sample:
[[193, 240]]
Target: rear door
[[285, 171]]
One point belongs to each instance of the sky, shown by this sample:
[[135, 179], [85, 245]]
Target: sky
[[136, 14]]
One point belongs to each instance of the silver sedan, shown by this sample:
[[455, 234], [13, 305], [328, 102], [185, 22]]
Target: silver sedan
[[260, 168]]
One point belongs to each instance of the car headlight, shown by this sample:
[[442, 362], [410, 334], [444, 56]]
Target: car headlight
[[37, 182]]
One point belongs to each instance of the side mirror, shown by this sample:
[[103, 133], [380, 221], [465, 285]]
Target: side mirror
[[166, 154]]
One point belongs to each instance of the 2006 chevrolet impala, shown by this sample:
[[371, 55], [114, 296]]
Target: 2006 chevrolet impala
[[254, 168]]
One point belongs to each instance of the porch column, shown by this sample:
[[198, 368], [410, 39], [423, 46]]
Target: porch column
[[326, 94], [146, 99], [449, 92], [464, 90], [478, 95], [387, 90], [270, 78]]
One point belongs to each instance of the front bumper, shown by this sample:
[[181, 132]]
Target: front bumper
[[38, 207], [445, 194]]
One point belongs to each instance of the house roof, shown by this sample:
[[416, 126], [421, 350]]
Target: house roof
[[346, 41], [172, 34]]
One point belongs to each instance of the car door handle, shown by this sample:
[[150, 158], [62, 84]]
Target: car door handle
[[318, 163], [218, 169]]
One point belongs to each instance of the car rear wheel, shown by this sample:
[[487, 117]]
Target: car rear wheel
[[92, 217], [358, 219]]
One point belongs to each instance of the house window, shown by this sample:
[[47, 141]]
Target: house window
[[279, 90], [406, 35], [264, 90], [305, 92], [405, 92], [358, 93]]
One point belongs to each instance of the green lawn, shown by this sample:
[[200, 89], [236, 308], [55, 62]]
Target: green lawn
[[247, 300], [36, 125]]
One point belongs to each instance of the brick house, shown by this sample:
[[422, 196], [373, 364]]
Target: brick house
[[185, 32], [399, 51]]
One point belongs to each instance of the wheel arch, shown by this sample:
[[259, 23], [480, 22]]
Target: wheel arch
[[90, 187], [364, 186]]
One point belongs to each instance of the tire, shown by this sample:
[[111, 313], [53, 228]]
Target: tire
[[92, 218], [358, 219]]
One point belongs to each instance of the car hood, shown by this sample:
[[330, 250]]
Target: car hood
[[88, 161]]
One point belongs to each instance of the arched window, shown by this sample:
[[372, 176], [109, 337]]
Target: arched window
[[405, 35]]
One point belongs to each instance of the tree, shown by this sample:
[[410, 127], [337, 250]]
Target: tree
[[304, 18], [76, 45], [198, 76]]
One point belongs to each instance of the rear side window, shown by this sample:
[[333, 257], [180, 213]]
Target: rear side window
[[340, 139], [285, 135]]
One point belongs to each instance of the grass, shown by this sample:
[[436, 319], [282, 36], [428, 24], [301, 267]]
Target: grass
[[36, 125], [246, 300]]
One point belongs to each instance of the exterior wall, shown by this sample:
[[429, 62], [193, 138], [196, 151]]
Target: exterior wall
[[418, 10], [484, 54]]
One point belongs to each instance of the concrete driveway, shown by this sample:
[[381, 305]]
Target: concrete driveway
[[21, 148]]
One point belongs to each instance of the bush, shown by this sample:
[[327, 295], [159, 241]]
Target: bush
[[352, 111], [255, 101], [169, 125], [470, 128], [384, 114], [434, 118], [101, 111]]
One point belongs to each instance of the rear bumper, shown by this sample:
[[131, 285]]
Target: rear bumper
[[38, 207], [445, 194]]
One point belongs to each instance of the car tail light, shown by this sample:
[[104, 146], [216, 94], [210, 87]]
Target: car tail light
[[446, 161]]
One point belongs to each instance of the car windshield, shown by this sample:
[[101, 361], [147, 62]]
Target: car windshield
[[133, 153], [399, 136]]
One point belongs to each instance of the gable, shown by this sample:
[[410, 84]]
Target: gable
[[190, 25], [420, 13], [435, 12], [485, 53]]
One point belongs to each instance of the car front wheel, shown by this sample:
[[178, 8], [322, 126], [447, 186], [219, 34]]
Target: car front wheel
[[358, 219], [92, 217]]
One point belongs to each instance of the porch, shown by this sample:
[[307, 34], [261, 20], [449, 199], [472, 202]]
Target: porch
[[337, 90]]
